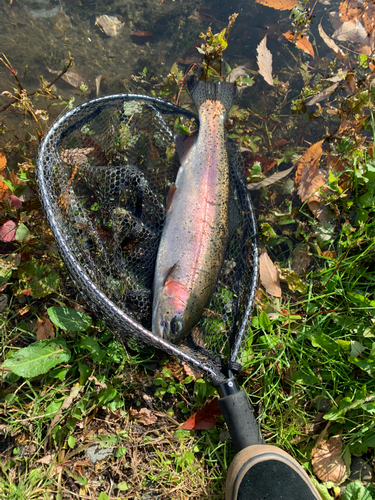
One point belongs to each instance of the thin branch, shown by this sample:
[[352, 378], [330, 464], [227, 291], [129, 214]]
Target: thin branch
[[4, 108]]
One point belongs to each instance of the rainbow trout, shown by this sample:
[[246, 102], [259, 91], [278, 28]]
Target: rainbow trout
[[195, 233]]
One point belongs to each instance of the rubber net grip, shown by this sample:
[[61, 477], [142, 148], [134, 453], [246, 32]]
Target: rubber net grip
[[239, 416]]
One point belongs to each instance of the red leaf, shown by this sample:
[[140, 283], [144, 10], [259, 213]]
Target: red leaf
[[14, 202], [8, 231], [204, 419]]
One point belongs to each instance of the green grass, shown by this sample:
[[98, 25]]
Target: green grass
[[313, 346]]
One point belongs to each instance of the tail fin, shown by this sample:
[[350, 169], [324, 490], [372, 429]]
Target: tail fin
[[202, 90]]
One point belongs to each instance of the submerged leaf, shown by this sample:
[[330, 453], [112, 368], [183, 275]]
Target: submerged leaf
[[302, 42], [311, 157], [324, 94], [269, 180], [330, 43], [264, 60], [279, 4]]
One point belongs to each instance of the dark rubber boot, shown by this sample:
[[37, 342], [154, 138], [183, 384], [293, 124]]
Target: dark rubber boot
[[263, 472]]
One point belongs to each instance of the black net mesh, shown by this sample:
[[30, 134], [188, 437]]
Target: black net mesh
[[103, 171]]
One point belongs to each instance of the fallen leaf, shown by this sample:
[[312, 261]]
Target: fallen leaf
[[324, 94], [176, 369], [311, 182], [46, 460], [191, 371], [279, 4], [14, 202], [3, 161], [269, 180], [326, 460], [204, 419], [68, 401], [236, 73], [5, 192], [301, 41], [330, 43], [280, 142], [75, 156], [300, 260], [269, 274], [310, 157], [15, 180], [352, 10], [140, 33], [264, 60], [8, 231], [144, 416], [45, 329], [350, 31]]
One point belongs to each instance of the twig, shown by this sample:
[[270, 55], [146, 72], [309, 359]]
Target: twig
[[4, 108]]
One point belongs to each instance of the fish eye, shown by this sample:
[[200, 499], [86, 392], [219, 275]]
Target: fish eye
[[176, 326]]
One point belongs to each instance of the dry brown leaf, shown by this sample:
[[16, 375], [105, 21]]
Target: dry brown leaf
[[144, 416], [45, 329], [3, 161], [264, 60], [279, 4], [311, 157], [269, 274], [301, 41], [330, 43], [326, 460]]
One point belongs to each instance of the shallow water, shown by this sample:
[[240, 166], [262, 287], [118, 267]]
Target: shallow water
[[39, 34]]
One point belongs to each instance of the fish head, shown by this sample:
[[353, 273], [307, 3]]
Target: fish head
[[170, 312]]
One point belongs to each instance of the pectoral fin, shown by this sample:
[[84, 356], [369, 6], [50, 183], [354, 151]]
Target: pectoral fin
[[170, 195], [169, 272], [183, 144]]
